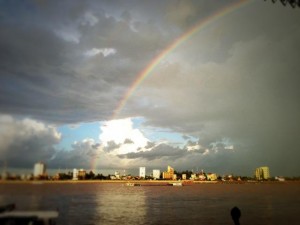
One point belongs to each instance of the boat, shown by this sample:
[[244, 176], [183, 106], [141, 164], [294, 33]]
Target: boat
[[8, 215], [132, 184], [175, 184], [187, 182]]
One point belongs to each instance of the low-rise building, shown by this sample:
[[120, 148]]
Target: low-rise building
[[117, 175], [211, 176], [202, 176], [174, 177], [112, 177], [81, 174], [4, 175], [156, 174], [193, 176]]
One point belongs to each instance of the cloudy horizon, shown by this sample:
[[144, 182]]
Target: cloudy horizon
[[225, 100]]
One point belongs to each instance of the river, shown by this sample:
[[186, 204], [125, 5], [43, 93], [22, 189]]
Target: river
[[114, 203]]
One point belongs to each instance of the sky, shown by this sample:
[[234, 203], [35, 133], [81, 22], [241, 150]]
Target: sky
[[193, 84]]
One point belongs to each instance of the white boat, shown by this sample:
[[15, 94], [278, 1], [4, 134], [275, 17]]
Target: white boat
[[10, 216], [175, 184]]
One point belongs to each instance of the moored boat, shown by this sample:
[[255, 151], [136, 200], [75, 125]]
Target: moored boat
[[187, 182], [132, 184], [175, 184], [10, 216]]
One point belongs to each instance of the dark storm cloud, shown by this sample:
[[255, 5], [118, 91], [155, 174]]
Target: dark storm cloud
[[236, 81], [249, 95], [186, 137], [150, 145], [39, 78], [25, 142], [159, 151], [85, 154], [170, 153], [128, 141], [111, 145], [216, 157], [255, 106], [45, 72], [80, 156]]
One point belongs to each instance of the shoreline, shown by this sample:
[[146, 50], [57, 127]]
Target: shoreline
[[149, 182]]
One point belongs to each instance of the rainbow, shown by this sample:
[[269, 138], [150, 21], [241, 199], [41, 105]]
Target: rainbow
[[176, 43]]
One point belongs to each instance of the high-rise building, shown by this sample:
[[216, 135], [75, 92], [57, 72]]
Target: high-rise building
[[169, 174], [156, 174], [75, 174], [39, 169], [143, 172], [262, 173]]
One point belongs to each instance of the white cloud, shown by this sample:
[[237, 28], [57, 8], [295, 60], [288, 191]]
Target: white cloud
[[89, 19], [206, 152], [68, 35], [231, 147], [119, 131], [193, 147], [104, 51]]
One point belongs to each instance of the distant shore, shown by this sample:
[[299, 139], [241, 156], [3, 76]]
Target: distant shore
[[139, 182]]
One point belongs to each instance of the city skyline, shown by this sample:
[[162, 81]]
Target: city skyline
[[107, 85], [40, 172]]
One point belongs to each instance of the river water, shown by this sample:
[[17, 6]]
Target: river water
[[114, 203]]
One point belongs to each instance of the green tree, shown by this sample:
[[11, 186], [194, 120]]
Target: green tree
[[90, 175]]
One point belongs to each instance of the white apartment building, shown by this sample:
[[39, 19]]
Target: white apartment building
[[75, 174], [39, 169], [156, 174], [143, 172]]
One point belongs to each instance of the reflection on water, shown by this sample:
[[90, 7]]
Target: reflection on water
[[107, 204], [125, 204]]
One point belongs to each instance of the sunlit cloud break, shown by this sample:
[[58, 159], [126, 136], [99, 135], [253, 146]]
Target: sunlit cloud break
[[123, 135], [104, 51]]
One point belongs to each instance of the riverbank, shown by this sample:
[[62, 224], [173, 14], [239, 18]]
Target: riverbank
[[139, 182]]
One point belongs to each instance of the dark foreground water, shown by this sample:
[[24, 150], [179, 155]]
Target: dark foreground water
[[104, 203]]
